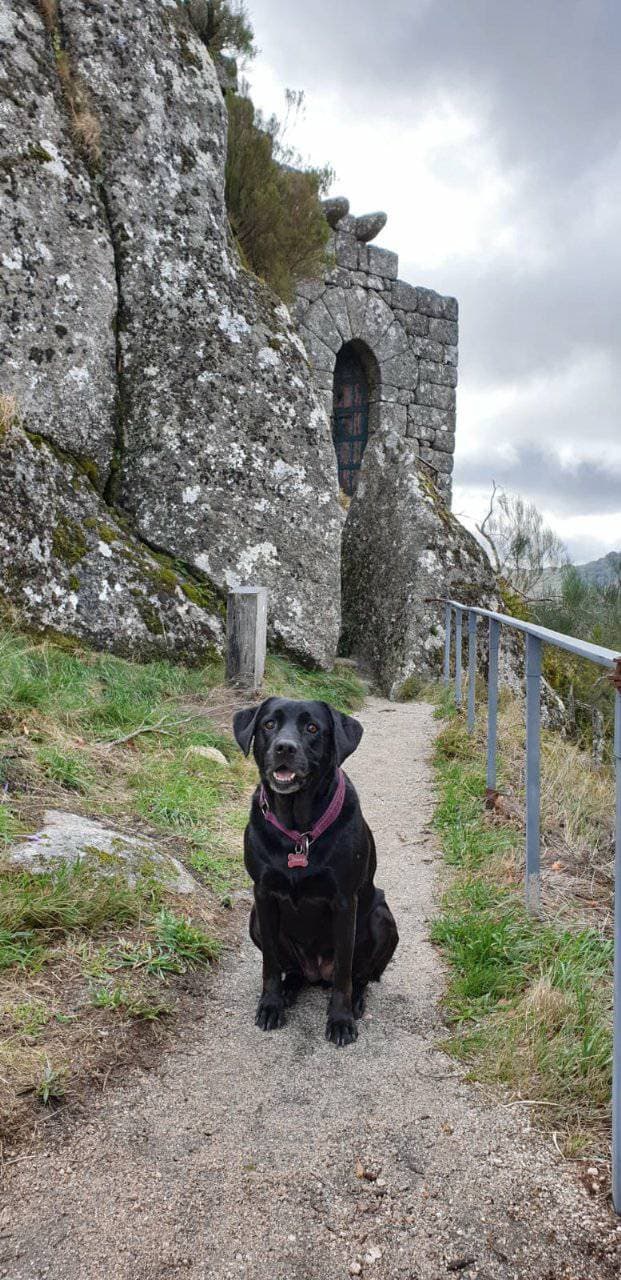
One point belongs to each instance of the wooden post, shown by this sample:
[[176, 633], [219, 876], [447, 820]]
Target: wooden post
[[246, 636]]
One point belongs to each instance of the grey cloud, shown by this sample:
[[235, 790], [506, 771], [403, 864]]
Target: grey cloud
[[589, 486]]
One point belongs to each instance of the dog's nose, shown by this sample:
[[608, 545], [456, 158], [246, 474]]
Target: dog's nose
[[284, 747]]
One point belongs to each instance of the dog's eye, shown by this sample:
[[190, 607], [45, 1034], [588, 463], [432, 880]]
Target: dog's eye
[[312, 728], [268, 724]]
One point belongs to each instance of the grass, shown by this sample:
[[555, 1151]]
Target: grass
[[529, 1000], [88, 955]]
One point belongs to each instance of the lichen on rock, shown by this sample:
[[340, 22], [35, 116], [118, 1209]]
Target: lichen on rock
[[58, 573]]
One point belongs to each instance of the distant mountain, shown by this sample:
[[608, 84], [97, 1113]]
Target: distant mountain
[[603, 571], [599, 573]]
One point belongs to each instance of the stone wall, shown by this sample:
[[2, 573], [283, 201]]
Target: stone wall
[[412, 333]]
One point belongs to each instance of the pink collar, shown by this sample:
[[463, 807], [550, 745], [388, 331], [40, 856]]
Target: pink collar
[[303, 839]]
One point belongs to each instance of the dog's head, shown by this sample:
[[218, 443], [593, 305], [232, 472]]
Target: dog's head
[[295, 743]]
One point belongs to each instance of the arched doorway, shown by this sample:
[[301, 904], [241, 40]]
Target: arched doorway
[[350, 419]]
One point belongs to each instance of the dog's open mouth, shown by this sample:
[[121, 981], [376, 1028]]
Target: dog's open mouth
[[284, 779]]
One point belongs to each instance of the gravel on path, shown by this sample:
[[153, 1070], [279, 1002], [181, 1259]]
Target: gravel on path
[[275, 1156]]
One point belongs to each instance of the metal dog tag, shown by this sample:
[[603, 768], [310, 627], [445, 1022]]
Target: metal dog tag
[[299, 857]]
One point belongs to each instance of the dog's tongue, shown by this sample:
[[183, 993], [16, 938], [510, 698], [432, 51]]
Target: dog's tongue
[[284, 775]]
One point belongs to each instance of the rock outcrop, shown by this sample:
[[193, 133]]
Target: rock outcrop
[[58, 292], [397, 564], [68, 565], [154, 338]]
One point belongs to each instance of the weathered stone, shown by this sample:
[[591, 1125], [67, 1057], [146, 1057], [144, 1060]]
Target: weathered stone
[[337, 306], [356, 300], [451, 355], [423, 415], [445, 441], [389, 620], [321, 356], [404, 296], [393, 417], [416, 325], [319, 319], [443, 374], [383, 262], [369, 225], [346, 251], [400, 371], [66, 564], [225, 455], [444, 331], [335, 209], [68, 838], [435, 304], [310, 289], [393, 342], [430, 393], [208, 753], [427, 350], [378, 319], [59, 295], [375, 282]]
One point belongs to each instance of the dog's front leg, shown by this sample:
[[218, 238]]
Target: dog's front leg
[[271, 1006], [341, 1026]]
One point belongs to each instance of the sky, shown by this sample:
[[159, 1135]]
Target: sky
[[490, 133]]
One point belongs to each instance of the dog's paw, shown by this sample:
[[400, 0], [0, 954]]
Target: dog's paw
[[270, 1013], [341, 1029]]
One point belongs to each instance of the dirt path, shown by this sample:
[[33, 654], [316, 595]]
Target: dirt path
[[238, 1157]]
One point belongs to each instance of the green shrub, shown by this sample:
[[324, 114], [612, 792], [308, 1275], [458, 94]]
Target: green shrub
[[273, 207], [222, 27]]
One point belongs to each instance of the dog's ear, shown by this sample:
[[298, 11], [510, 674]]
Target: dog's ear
[[244, 724], [347, 733]]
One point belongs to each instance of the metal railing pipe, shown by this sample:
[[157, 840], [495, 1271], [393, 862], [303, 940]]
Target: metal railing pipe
[[458, 646], [448, 614], [492, 703], [533, 772], [472, 668]]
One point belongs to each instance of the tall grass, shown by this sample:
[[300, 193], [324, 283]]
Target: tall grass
[[530, 1000]]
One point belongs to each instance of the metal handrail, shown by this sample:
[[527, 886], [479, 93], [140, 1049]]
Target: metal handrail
[[536, 637]]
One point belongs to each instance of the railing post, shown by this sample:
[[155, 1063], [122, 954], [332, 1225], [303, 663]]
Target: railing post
[[458, 619], [492, 703], [472, 668], [533, 776], [448, 612], [616, 1039]]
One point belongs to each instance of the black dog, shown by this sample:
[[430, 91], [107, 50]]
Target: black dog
[[317, 914]]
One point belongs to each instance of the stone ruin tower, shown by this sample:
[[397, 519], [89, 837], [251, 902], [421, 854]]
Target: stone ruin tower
[[384, 353]]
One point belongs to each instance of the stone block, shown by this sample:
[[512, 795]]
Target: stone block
[[334, 300], [425, 349], [400, 371], [379, 318], [444, 331], [393, 342], [310, 289], [430, 393], [445, 441], [426, 435], [435, 304], [360, 277], [404, 296], [444, 374], [422, 415], [416, 325], [451, 355], [346, 251], [375, 282], [356, 300], [319, 319], [382, 262], [393, 417]]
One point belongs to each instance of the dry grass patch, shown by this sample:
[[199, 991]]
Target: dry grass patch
[[530, 1000]]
